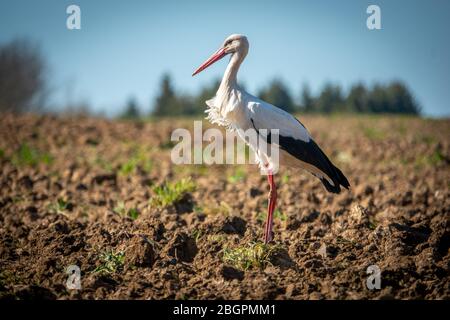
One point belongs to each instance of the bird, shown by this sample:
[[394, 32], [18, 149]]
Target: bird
[[235, 109]]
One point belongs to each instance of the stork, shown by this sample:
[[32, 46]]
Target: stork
[[238, 110]]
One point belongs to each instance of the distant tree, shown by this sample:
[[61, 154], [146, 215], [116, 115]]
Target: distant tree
[[205, 93], [278, 95], [357, 99], [378, 99], [131, 110], [306, 99], [392, 98], [401, 100], [22, 76], [187, 105], [330, 99], [167, 103]]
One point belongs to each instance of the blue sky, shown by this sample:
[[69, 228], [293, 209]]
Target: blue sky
[[125, 46]]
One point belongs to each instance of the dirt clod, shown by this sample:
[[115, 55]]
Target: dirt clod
[[140, 252]]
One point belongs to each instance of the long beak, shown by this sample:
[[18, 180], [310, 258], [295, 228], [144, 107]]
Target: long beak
[[219, 54]]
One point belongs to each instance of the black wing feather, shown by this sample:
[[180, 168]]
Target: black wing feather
[[310, 153]]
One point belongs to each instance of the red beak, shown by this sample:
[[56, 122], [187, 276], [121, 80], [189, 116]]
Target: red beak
[[219, 54]]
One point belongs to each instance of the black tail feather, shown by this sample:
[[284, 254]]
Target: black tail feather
[[335, 175], [342, 179], [338, 180], [330, 188]]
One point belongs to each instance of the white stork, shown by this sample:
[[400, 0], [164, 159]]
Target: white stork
[[238, 110]]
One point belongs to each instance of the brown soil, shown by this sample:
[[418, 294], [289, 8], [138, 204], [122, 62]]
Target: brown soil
[[396, 215]]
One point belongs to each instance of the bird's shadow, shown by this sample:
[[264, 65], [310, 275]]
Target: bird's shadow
[[184, 205], [282, 260]]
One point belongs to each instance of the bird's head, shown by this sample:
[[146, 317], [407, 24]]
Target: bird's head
[[234, 44]]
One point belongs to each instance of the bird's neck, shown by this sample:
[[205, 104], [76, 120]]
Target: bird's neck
[[229, 79]]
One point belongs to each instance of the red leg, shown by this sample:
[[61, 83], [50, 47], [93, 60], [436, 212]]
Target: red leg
[[268, 234]]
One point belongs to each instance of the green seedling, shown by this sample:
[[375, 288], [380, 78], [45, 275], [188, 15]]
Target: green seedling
[[373, 133], [28, 156], [139, 159], [238, 176], [430, 160], [60, 206], [112, 262], [197, 234], [251, 256], [170, 193], [277, 215], [122, 210]]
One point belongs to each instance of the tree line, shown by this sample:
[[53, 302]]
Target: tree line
[[393, 97]]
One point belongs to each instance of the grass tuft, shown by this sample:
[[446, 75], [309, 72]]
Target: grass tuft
[[197, 234], [139, 159], [285, 178], [103, 164], [59, 206], [28, 156], [171, 192], [373, 133], [277, 215], [133, 213], [216, 238], [253, 255], [122, 211], [112, 262], [238, 176], [430, 160]]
